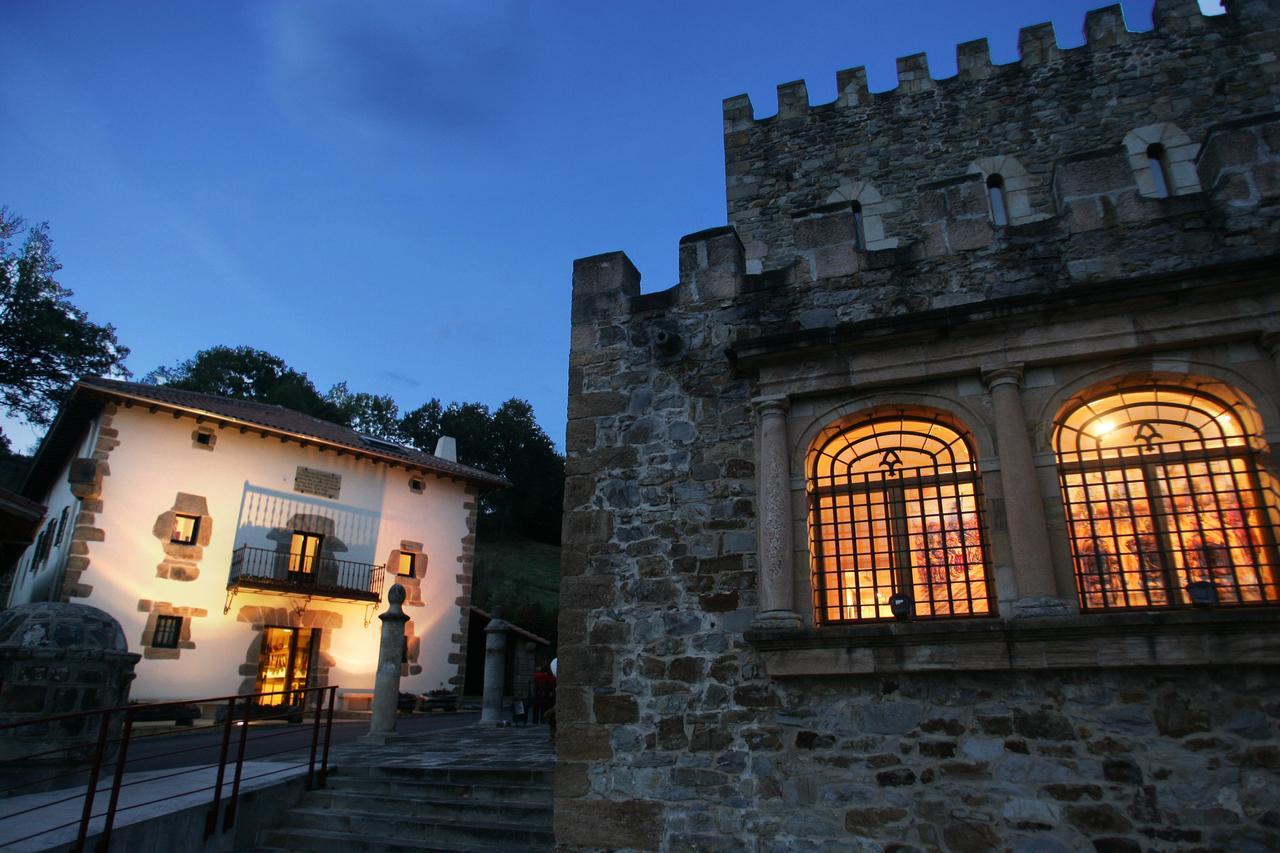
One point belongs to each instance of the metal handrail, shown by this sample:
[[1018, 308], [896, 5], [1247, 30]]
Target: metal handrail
[[318, 573], [325, 699]]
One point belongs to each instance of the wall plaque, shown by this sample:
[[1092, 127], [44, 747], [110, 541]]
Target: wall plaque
[[309, 481]]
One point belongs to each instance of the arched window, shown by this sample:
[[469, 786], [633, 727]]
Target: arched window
[[895, 522], [859, 235], [995, 197], [1169, 499], [1158, 163]]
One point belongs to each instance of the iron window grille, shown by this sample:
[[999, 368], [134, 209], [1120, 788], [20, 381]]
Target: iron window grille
[[168, 629], [1170, 499], [895, 508]]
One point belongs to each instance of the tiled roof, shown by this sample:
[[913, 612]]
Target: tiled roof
[[280, 420]]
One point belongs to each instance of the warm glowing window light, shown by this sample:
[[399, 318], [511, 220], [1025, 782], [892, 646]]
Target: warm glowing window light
[[405, 569], [303, 549], [895, 508], [1169, 497], [185, 528]]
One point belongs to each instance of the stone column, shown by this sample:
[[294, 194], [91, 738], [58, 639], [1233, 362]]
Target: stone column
[[386, 685], [1028, 532], [495, 669], [775, 579]]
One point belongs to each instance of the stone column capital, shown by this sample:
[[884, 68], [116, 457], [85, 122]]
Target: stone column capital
[[1006, 374], [772, 405]]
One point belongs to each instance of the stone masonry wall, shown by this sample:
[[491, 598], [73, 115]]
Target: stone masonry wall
[[672, 733]]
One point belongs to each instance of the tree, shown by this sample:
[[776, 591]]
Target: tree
[[507, 442], [372, 414], [46, 342], [246, 373]]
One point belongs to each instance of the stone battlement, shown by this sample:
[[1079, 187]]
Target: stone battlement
[[1025, 121], [1038, 45]]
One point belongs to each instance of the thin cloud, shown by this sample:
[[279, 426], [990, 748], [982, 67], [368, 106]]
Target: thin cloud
[[440, 69]]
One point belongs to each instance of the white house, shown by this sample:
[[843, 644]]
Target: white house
[[246, 547]]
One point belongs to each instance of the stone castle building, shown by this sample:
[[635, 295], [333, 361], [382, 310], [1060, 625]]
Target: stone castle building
[[936, 506]]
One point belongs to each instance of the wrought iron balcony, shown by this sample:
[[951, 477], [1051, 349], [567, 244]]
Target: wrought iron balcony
[[298, 574]]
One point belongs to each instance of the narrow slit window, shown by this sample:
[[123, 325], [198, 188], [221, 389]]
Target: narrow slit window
[[185, 529], [168, 629], [859, 235], [1158, 162], [406, 567], [995, 197]]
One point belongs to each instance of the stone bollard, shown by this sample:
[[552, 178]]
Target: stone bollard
[[495, 669], [386, 684]]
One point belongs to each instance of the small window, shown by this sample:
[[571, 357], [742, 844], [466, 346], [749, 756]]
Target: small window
[[185, 529], [406, 567], [1158, 163], [62, 526], [416, 486], [168, 629], [995, 196], [859, 235], [205, 438]]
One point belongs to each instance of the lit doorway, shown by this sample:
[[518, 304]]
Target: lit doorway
[[284, 665]]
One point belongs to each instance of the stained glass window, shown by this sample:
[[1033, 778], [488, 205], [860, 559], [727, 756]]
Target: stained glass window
[[895, 508], [1165, 489]]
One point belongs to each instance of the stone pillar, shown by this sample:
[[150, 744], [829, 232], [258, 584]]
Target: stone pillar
[[386, 685], [775, 580], [1028, 532], [495, 669]]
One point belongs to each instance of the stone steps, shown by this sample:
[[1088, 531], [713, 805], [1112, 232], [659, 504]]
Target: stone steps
[[402, 808]]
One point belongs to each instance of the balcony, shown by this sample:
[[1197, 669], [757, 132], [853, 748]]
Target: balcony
[[264, 570]]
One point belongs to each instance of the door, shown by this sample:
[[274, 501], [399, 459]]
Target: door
[[304, 553], [284, 665]]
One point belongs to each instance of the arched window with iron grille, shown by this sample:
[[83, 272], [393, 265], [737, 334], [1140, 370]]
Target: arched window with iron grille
[[1170, 498], [895, 522]]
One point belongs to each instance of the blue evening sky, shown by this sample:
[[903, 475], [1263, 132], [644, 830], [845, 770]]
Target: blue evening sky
[[392, 193]]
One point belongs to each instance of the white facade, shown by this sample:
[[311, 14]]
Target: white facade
[[247, 481]]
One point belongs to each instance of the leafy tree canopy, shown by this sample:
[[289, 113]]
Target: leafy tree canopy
[[46, 342], [246, 373]]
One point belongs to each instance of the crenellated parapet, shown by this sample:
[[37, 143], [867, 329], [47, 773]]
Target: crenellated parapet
[[1189, 72]]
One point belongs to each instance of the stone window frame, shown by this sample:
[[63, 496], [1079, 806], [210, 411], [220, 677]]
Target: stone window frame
[[182, 559], [421, 486], [156, 609], [831, 417], [209, 436], [946, 419], [1169, 538], [167, 631], [1017, 186], [412, 583], [1180, 159], [872, 208]]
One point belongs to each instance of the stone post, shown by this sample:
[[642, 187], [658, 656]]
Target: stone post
[[386, 685], [775, 579], [1024, 508], [495, 669]]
